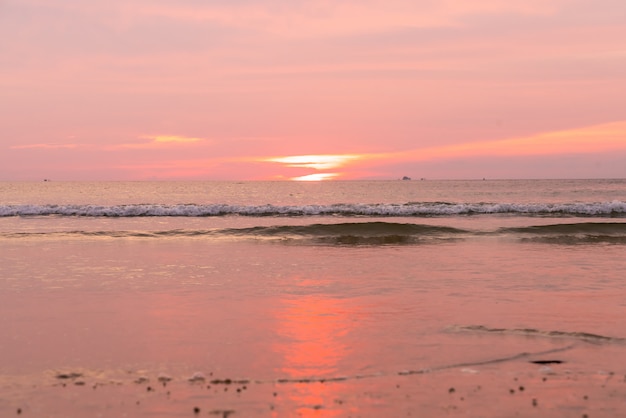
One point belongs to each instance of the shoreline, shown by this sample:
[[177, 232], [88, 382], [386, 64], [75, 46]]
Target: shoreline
[[515, 387]]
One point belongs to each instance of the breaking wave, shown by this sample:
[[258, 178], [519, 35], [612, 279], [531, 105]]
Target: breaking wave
[[412, 209]]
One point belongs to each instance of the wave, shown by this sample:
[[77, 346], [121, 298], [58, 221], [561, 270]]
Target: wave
[[371, 233], [411, 209], [365, 233], [605, 228], [575, 233], [349, 228]]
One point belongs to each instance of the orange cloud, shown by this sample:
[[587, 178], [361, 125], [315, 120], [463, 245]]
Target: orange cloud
[[599, 138], [586, 140], [593, 139]]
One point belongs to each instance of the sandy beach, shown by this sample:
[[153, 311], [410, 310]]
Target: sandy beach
[[117, 308], [568, 382]]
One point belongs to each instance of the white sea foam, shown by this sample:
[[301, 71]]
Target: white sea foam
[[601, 209]]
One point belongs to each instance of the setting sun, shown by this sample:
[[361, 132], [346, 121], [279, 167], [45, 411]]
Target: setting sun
[[318, 162], [316, 177]]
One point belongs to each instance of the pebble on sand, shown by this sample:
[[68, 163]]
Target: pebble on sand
[[197, 377]]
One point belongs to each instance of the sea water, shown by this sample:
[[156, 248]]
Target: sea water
[[284, 281]]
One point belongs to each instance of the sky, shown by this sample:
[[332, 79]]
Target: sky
[[312, 89]]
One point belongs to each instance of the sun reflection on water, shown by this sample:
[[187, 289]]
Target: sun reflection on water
[[313, 330]]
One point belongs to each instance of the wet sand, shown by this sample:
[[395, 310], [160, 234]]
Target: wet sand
[[108, 327], [577, 380]]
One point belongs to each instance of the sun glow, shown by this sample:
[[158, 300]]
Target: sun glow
[[316, 177], [318, 162]]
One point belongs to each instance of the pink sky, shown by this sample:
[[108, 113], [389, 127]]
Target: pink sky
[[277, 89]]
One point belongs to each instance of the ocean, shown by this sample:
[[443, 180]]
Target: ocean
[[314, 288]]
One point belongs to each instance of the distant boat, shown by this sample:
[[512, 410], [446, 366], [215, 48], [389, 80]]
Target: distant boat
[[406, 178]]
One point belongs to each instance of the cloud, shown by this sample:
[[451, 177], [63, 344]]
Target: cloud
[[583, 141], [318, 162], [591, 139], [47, 146], [171, 139], [303, 18], [159, 141], [325, 78]]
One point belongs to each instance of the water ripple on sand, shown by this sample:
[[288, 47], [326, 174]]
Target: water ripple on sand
[[532, 332]]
